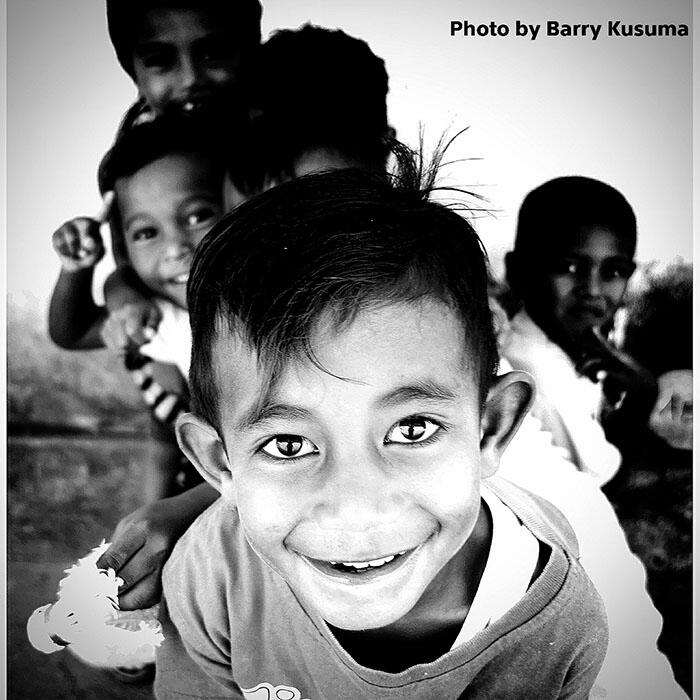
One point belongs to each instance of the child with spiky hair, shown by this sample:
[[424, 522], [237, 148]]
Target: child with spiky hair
[[347, 409]]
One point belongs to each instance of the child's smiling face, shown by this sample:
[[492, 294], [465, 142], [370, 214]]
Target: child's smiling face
[[166, 208], [184, 58], [586, 283], [359, 484]]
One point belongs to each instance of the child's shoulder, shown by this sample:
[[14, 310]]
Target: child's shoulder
[[209, 562], [544, 520], [213, 536], [527, 347]]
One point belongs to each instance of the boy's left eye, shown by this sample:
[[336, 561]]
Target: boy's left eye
[[412, 430], [289, 447], [201, 216], [214, 50], [616, 269]]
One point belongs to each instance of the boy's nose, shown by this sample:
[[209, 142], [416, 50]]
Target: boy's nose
[[190, 73], [592, 282], [358, 492], [177, 247]]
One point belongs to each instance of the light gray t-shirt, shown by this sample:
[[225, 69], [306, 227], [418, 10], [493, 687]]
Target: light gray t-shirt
[[234, 629]]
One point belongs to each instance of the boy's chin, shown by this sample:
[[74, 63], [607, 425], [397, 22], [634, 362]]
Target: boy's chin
[[176, 294], [355, 620]]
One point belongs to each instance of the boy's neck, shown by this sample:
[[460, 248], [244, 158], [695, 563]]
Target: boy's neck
[[431, 627]]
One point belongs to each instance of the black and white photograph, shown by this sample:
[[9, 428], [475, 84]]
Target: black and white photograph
[[349, 349]]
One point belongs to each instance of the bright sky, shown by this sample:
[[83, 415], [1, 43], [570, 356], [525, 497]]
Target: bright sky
[[618, 109]]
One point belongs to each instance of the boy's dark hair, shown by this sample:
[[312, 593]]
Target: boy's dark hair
[[242, 16], [557, 211], [313, 87], [659, 329], [334, 243], [142, 144]]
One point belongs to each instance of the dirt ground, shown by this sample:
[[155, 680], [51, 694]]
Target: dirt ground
[[64, 496]]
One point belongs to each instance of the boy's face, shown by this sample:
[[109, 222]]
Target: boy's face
[[587, 283], [359, 488], [166, 208], [184, 58]]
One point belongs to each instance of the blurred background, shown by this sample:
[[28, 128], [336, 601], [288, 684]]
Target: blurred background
[[617, 109]]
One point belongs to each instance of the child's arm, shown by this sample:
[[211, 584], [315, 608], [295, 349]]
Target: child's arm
[[74, 318], [143, 540]]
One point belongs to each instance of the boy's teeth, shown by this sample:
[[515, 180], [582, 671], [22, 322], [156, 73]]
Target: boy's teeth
[[362, 565], [381, 562]]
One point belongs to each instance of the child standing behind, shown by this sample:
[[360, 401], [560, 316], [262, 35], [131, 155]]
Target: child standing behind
[[347, 410], [166, 176], [184, 55], [573, 255]]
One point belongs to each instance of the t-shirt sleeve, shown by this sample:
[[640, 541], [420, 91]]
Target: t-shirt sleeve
[[580, 680], [196, 668]]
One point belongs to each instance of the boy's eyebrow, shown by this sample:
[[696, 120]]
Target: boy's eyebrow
[[147, 47], [264, 411], [421, 390]]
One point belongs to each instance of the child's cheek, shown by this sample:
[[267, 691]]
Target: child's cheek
[[450, 490], [267, 505]]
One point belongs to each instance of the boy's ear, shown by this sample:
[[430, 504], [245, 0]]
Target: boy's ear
[[507, 403], [204, 448]]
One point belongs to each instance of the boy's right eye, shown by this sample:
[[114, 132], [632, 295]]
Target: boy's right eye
[[288, 447], [566, 266], [144, 234], [160, 58]]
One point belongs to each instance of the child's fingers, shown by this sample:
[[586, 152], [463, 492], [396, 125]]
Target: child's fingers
[[113, 336], [153, 319], [107, 201], [64, 243], [70, 240], [136, 331], [90, 243]]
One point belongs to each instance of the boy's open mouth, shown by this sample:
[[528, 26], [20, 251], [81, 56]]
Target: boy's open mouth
[[361, 569]]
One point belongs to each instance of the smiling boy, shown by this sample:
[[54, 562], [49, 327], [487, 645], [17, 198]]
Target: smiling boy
[[347, 409], [181, 54]]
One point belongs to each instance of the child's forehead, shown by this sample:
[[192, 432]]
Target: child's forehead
[[173, 166], [185, 175], [599, 238], [166, 24], [403, 337]]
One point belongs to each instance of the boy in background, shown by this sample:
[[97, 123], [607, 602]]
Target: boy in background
[[318, 102], [348, 412], [184, 55], [568, 270], [166, 176]]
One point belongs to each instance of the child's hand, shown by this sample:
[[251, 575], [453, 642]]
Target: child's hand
[[131, 325], [605, 357], [78, 242], [140, 545], [143, 540]]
